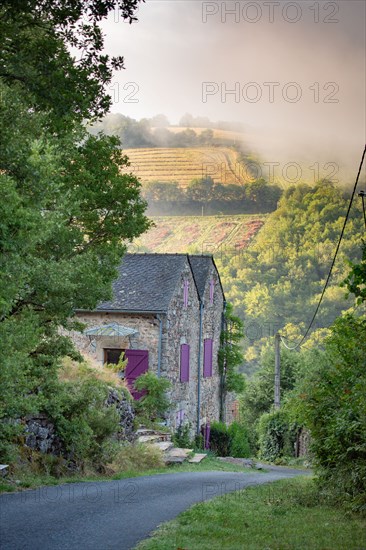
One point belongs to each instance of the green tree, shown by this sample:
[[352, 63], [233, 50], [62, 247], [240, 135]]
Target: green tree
[[201, 190], [330, 400], [154, 403], [355, 281], [230, 357], [258, 396], [35, 58], [278, 279], [277, 435], [69, 206]]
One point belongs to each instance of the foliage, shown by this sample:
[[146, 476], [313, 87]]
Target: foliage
[[277, 435], [220, 439], [199, 442], [157, 133], [254, 197], [73, 371], [69, 206], [330, 400], [137, 457], [258, 396], [181, 437], [356, 279], [154, 403], [83, 420], [229, 440], [120, 366], [37, 63], [239, 445], [230, 356], [278, 279]]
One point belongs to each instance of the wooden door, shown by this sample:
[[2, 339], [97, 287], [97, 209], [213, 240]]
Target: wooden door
[[138, 363]]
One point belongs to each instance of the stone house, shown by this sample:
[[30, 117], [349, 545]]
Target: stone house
[[166, 314]]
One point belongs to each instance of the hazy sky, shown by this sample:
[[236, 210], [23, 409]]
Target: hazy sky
[[293, 72]]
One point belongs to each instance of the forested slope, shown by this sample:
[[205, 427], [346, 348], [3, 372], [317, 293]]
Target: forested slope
[[276, 282]]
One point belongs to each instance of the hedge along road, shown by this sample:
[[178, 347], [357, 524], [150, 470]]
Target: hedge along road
[[112, 514]]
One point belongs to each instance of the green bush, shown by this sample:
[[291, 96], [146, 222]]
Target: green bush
[[155, 403], [277, 435], [220, 439], [182, 438], [84, 422], [330, 401], [198, 444], [239, 444], [137, 457], [230, 441]]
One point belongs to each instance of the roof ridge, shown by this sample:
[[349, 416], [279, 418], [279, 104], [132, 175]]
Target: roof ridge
[[194, 279], [168, 254]]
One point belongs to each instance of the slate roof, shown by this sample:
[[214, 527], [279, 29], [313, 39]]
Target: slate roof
[[146, 282], [200, 267]]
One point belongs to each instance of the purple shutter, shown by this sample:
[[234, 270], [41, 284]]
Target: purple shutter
[[207, 357], [184, 363]]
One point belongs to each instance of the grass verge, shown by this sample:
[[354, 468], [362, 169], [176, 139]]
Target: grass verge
[[285, 515], [27, 480]]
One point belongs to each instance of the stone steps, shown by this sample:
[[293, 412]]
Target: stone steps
[[164, 446], [163, 441], [176, 455], [197, 458], [145, 435]]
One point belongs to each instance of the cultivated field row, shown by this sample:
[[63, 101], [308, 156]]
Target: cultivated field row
[[200, 235], [184, 164]]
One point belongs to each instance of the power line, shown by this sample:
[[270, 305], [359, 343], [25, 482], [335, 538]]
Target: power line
[[334, 259]]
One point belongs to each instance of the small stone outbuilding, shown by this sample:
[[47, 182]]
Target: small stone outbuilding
[[166, 315]]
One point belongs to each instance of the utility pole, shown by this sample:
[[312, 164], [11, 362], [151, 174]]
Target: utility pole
[[277, 380], [362, 194]]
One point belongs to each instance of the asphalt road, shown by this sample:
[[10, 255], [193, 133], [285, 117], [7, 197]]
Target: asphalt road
[[111, 514]]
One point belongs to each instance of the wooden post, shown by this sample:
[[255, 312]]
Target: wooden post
[[277, 380]]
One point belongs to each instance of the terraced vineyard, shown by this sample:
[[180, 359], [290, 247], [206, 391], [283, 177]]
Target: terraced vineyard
[[200, 235], [184, 164]]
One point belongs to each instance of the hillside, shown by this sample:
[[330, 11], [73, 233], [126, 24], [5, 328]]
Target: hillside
[[222, 137], [205, 234], [182, 165]]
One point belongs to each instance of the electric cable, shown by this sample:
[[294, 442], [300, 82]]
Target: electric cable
[[333, 261]]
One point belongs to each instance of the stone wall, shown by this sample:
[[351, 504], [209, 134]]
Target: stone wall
[[212, 324], [181, 326], [147, 338], [41, 435]]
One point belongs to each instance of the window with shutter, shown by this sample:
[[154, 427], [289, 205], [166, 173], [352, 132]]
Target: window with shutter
[[184, 363], [207, 357]]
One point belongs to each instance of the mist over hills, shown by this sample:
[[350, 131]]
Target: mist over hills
[[283, 163]]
